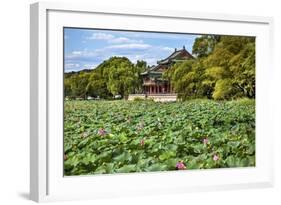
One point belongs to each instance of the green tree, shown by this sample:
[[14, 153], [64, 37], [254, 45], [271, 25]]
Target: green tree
[[224, 69], [121, 76], [140, 67], [184, 78], [76, 85], [230, 68], [204, 45], [67, 87], [114, 76], [97, 85], [244, 64]]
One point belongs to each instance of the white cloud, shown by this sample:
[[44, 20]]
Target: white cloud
[[100, 36], [130, 46], [70, 66], [168, 49], [83, 54], [156, 35], [124, 40], [77, 52], [111, 38]]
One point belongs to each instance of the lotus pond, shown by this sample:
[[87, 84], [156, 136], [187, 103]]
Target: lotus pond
[[105, 137]]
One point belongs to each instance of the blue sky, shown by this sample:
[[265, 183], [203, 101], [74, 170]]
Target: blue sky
[[87, 48]]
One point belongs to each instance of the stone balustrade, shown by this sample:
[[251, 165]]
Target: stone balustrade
[[169, 97]]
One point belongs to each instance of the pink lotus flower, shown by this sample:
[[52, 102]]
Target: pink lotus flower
[[205, 140], [142, 142], [102, 132], [180, 165], [216, 157]]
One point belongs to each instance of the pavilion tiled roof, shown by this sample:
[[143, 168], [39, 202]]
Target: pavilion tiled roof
[[174, 55]]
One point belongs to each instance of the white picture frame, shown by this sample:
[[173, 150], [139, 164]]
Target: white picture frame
[[47, 182]]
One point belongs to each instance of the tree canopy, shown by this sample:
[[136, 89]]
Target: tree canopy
[[115, 76], [224, 69]]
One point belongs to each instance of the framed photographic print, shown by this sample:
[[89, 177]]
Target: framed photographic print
[[127, 102]]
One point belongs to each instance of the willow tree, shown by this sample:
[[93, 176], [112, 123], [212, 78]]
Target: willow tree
[[120, 76]]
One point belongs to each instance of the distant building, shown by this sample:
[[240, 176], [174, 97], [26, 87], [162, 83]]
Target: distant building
[[154, 86], [153, 83]]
